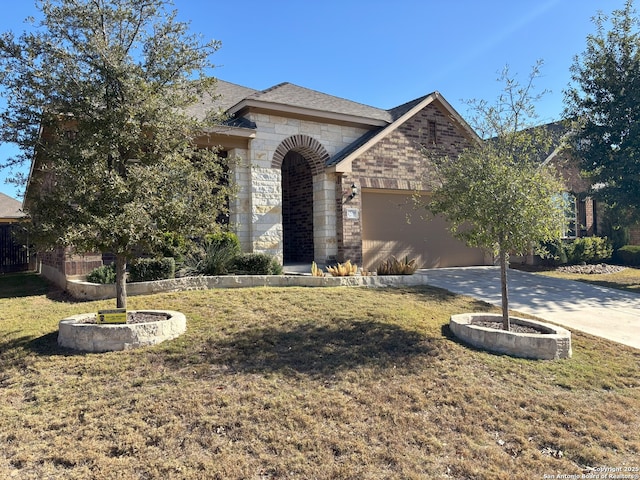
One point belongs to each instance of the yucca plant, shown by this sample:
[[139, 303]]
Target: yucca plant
[[393, 266], [346, 269]]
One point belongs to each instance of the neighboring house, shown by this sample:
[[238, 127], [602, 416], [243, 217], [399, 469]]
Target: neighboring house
[[585, 215], [14, 254], [581, 214], [326, 179]]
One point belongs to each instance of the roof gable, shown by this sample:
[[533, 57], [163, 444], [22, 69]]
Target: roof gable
[[10, 207], [342, 162]]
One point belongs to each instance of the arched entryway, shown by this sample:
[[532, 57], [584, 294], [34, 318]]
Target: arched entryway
[[297, 209], [301, 160]]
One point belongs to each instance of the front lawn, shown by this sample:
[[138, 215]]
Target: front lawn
[[295, 383]]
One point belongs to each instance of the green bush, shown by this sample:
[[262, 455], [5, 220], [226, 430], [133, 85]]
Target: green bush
[[214, 257], [150, 269], [576, 251], [104, 274], [256, 264], [590, 250], [628, 255], [174, 245]]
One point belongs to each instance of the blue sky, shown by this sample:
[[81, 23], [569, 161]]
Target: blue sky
[[383, 52]]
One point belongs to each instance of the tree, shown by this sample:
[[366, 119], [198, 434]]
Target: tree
[[603, 102], [497, 194], [100, 90]]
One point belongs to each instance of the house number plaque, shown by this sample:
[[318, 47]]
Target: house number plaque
[[353, 214]]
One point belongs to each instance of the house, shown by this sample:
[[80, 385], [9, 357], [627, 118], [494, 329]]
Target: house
[[327, 179], [581, 214], [14, 255]]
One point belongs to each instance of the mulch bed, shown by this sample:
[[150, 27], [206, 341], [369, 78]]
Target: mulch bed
[[136, 317], [597, 269], [497, 325]]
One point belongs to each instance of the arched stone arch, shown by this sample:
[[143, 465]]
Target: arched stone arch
[[306, 146]]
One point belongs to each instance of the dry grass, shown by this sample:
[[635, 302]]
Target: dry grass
[[627, 279], [305, 384]]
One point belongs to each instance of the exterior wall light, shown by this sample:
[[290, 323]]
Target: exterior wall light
[[354, 190]]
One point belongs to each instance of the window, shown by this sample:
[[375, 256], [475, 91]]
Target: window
[[570, 224], [433, 132]]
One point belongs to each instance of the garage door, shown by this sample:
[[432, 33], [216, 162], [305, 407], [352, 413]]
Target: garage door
[[391, 226]]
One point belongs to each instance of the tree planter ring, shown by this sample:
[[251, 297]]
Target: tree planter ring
[[553, 344], [75, 333]]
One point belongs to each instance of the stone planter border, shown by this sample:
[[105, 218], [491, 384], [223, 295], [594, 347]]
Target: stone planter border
[[91, 337], [82, 290], [553, 345]]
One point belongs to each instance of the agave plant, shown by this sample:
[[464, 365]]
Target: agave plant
[[346, 269], [393, 266]]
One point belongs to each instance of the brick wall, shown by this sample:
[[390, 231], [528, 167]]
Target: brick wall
[[397, 162], [634, 235], [297, 209], [69, 264]]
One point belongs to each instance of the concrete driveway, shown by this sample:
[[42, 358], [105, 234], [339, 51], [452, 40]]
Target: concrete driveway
[[605, 312]]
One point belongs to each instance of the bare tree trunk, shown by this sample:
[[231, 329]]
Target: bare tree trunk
[[506, 325], [121, 281]]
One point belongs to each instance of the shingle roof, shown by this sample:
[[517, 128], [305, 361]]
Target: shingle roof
[[295, 96], [10, 207], [227, 95]]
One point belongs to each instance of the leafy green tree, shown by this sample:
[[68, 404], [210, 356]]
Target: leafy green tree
[[603, 101], [497, 194], [101, 91]]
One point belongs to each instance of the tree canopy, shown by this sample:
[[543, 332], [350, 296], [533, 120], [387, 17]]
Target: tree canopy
[[498, 194], [603, 101], [99, 93]]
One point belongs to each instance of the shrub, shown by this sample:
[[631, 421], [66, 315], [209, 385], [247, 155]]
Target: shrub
[[222, 240], [579, 250], [393, 266], [214, 257], [174, 245], [553, 253], [104, 274], [589, 250], [150, 269], [256, 264], [629, 255]]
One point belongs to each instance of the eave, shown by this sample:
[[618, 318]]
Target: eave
[[304, 113]]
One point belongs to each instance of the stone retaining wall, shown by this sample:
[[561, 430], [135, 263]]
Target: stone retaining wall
[[92, 291]]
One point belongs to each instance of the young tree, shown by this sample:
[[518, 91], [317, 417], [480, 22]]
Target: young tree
[[603, 102], [497, 194], [100, 91]]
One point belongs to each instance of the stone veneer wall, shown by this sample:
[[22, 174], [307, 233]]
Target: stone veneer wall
[[259, 181], [397, 162]]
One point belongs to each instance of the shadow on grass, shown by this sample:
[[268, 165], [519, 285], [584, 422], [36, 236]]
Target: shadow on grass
[[31, 284], [321, 350], [24, 284], [43, 345], [633, 288]]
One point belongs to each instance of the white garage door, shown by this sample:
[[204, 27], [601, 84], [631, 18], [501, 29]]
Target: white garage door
[[392, 226]]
